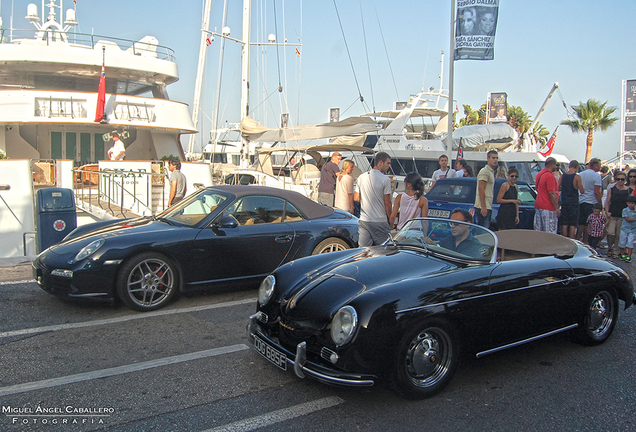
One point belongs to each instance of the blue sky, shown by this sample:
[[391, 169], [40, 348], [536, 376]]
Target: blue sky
[[582, 44]]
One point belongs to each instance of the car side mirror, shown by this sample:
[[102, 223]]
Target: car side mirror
[[226, 222]]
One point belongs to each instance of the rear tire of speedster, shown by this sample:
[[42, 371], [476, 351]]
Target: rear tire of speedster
[[426, 359], [599, 318], [332, 244], [147, 282]]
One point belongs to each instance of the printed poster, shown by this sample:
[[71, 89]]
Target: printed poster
[[475, 27]]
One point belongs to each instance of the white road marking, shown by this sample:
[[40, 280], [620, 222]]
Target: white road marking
[[35, 330], [70, 379], [278, 416], [17, 282]]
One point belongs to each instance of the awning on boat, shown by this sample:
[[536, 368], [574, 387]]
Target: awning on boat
[[417, 112], [253, 131], [333, 147], [496, 136]]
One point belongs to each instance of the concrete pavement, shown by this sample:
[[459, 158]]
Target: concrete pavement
[[16, 269]]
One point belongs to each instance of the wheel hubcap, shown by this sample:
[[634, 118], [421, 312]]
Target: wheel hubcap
[[150, 282], [601, 314], [428, 357]]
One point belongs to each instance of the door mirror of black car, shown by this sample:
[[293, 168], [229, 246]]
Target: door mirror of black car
[[226, 222]]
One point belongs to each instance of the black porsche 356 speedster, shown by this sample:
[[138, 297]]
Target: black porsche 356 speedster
[[218, 236], [404, 311]]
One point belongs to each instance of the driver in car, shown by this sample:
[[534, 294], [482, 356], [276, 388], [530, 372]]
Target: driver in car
[[462, 240]]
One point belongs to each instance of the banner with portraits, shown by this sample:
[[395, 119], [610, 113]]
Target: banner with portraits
[[475, 28], [497, 108], [629, 115]]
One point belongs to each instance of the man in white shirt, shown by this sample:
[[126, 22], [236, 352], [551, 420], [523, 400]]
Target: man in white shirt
[[374, 196], [117, 151], [444, 171]]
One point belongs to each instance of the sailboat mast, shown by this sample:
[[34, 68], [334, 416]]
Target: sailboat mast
[[197, 85], [245, 74]]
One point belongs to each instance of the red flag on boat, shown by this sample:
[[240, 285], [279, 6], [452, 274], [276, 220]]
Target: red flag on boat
[[101, 97], [460, 149], [297, 52], [208, 41], [547, 148]]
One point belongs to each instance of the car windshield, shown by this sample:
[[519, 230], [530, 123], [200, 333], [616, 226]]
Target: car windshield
[[195, 208], [449, 237]]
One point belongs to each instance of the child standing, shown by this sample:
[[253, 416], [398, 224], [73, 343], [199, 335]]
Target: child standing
[[596, 223], [628, 229]]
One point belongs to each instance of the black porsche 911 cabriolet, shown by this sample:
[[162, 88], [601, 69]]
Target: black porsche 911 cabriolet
[[405, 311], [225, 235]]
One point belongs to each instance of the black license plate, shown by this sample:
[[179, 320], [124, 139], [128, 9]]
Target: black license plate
[[273, 355]]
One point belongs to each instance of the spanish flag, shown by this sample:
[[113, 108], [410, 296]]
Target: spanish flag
[[101, 97]]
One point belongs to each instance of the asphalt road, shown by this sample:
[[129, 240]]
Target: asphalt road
[[76, 367]]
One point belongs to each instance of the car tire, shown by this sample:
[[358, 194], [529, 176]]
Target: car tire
[[332, 244], [147, 282], [426, 359], [599, 319]]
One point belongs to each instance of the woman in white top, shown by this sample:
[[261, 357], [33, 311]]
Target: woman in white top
[[411, 204], [344, 188]]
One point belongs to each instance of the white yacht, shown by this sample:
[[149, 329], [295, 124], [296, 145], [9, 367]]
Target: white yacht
[[414, 135], [49, 123], [49, 87]]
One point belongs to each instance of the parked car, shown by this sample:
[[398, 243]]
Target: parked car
[[449, 194], [225, 235], [405, 311]]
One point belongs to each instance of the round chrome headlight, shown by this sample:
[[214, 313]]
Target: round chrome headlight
[[88, 250], [343, 325], [266, 290]]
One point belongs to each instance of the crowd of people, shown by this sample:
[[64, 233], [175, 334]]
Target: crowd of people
[[590, 205], [596, 204]]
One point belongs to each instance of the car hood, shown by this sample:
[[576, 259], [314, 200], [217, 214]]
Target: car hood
[[123, 232], [369, 273]]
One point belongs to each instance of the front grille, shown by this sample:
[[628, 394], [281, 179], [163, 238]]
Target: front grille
[[326, 353]]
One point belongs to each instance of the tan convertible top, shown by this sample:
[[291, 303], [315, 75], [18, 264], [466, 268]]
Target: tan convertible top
[[535, 243]]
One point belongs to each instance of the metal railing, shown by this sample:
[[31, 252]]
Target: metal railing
[[8, 35], [117, 191]]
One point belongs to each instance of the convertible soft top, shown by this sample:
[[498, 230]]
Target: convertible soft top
[[310, 208], [534, 243]]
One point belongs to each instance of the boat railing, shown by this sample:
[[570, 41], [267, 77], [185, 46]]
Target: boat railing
[[120, 193], [143, 47]]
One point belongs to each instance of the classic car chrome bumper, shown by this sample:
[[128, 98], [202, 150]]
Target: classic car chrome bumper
[[302, 367]]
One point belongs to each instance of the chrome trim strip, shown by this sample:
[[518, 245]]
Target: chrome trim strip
[[498, 293], [534, 338], [111, 262]]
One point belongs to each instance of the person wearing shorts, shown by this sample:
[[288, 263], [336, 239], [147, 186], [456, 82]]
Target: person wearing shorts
[[593, 186]]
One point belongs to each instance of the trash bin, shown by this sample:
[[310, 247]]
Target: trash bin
[[55, 217]]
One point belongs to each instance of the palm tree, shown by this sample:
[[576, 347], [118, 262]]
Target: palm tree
[[473, 117], [592, 115], [520, 120]]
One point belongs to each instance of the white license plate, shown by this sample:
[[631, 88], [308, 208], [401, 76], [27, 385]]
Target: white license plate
[[273, 355], [439, 213]]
